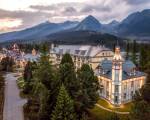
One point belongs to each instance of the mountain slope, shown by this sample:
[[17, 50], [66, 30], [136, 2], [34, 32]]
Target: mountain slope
[[38, 31], [83, 37], [110, 27], [89, 23], [136, 24]]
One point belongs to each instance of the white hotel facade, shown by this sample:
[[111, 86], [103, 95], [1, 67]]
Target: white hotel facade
[[119, 79], [81, 54]]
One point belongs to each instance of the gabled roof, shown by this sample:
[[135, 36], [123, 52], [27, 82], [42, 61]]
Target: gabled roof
[[31, 57], [80, 50], [128, 66]]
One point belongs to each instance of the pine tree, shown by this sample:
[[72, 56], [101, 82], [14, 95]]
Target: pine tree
[[64, 109], [114, 46], [68, 75], [46, 85], [145, 92], [68, 78], [67, 59], [127, 51], [28, 71], [44, 106], [143, 57], [44, 49], [114, 116], [134, 59], [88, 95], [140, 111], [27, 78], [7, 64], [141, 106]]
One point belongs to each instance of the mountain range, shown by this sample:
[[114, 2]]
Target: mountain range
[[136, 25]]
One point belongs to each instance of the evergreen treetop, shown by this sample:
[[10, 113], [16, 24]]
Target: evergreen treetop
[[64, 109], [67, 59]]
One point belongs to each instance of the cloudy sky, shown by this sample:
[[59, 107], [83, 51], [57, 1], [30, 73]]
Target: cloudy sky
[[21, 14]]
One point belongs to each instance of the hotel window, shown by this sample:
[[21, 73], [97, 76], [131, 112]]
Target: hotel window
[[124, 95], [117, 75], [107, 94], [116, 99], [125, 86], [74, 58], [138, 84], [101, 91], [132, 95], [83, 60], [132, 83], [107, 85], [116, 88], [78, 59]]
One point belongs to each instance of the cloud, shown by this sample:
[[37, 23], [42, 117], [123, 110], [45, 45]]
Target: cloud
[[104, 10], [60, 10], [28, 18], [56, 7], [70, 10], [43, 8], [92, 8], [136, 2]]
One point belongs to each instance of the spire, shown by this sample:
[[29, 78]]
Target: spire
[[34, 52], [117, 55], [117, 43]]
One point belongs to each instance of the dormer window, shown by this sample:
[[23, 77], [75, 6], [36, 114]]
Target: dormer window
[[68, 51], [83, 52], [77, 52], [134, 72], [60, 51]]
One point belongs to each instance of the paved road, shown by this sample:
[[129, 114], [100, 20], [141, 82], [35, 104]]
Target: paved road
[[13, 105]]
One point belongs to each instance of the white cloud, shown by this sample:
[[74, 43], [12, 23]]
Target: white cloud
[[32, 12]]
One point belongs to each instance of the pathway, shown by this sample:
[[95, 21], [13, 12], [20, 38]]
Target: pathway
[[124, 113], [13, 105]]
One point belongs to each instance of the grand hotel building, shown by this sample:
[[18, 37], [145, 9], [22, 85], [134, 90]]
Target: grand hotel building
[[81, 54], [119, 79]]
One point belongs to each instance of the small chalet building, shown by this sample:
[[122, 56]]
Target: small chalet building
[[119, 79], [22, 60]]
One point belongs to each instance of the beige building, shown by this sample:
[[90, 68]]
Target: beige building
[[81, 54], [119, 79], [22, 60]]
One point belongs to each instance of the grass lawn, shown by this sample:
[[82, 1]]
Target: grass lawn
[[123, 108], [20, 82], [100, 114]]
